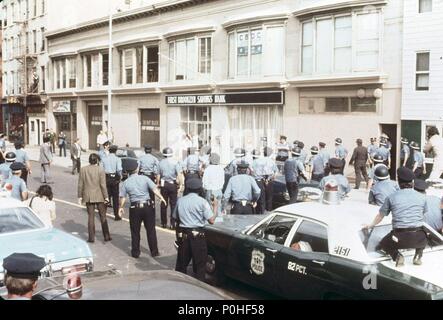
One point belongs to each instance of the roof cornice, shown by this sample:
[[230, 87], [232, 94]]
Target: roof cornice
[[337, 6]]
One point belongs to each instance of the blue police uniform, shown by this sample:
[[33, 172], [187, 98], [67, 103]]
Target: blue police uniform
[[405, 152], [372, 150], [142, 210], [341, 153], [325, 156], [433, 216], [18, 187], [5, 172], [243, 191], [381, 190], [191, 166], [264, 170], [149, 168], [193, 212], [112, 165], [318, 167], [282, 151], [292, 170], [169, 170], [22, 157], [420, 161], [232, 169], [343, 184], [385, 153]]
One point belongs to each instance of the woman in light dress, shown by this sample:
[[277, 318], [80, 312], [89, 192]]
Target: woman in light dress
[[43, 205]]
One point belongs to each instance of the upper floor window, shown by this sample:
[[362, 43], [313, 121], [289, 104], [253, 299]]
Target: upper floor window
[[43, 40], [422, 71], [257, 51], [341, 44], [35, 8], [424, 6], [190, 58], [139, 65], [92, 70]]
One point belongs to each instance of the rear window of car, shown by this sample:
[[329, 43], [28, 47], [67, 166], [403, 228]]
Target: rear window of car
[[18, 219]]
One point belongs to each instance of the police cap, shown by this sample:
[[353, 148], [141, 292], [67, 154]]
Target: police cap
[[130, 165], [405, 174], [23, 265], [420, 185], [148, 148], [322, 144], [335, 163], [243, 165], [10, 157], [113, 149], [194, 184], [17, 166]]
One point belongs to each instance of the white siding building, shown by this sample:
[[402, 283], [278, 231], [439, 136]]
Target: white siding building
[[422, 104]]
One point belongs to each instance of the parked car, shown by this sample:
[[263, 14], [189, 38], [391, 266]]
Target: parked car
[[21, 230], [313, 250], [112, 285]]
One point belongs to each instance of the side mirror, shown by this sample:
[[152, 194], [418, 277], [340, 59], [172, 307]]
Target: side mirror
[[74, 287]]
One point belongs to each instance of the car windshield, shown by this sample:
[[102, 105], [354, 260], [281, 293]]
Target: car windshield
[[373, 237], [18, 219]]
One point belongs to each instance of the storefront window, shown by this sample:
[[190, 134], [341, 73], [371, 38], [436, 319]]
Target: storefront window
[[317, 105], [196, 122], [249, 125]]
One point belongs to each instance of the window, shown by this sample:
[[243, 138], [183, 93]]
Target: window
[[35, 8], [189, 58], [34, 38], [43, 77], [424, 6], [317, 105], [43, 6], [88, 71], [17, 220], [27, 9], [72, 75], [248, 125], [328, 47], [5, 10], [422, 71], [256, 51], [310, 237], [43, 40], [139, 64], [277, 230], [129, 65], [152, 64], [196, 121], [336, 105], [105, 69]]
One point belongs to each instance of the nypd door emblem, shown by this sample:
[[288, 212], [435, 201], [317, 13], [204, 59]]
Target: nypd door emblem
[[257, 262]]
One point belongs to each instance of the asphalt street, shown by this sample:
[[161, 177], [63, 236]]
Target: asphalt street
[[72, 218]]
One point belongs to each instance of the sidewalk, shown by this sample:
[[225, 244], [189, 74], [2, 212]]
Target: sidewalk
[[34, 154]]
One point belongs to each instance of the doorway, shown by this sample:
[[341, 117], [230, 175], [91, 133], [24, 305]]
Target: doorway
[[150, 128], [37, 127], [95, 125], [391, 131]]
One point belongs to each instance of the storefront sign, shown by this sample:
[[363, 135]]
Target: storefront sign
[[62, 107], [241, 98]]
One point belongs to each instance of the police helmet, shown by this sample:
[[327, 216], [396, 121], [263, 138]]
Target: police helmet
[[404, 140], [335, 163], [239, 152], [301, 145], [381, 172], [415, 145], [10, 157], [256, 153], [338, 141], [113, 149], [296, 143], [148, 148], [17, 167], [377, 158], [405, 175], [243, 165], [296, 152], [384, 142], [314, 150], [168, 152]]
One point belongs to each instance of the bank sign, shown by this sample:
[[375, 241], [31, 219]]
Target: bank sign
[[238, 98]]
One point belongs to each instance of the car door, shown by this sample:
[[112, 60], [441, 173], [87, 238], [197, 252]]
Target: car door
[[253, 256], [302, 264]]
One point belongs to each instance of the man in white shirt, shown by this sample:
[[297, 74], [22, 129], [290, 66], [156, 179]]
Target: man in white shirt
[[435, 144], [213, 182], [101, 139]]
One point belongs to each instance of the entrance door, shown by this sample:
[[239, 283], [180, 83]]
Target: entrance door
[[95, 125], [391, 131], [33, 133], [150, 128]]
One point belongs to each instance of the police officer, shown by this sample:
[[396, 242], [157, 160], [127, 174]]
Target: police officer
[[192, 213], [316, 165], [385, 152], [405, 152], [22, 271], [303, 155], [5, 168], [408, 208], [419, 166], [283, 149], [205, 155], [192, 166], [142, 209], [384, 186], [293, 169], [170, 180], [372, 151], [359, 160], [264, 171], [22, 157], [335, 166], [149, 167], [19, 189], [433, 216], [113, 170], [242, 191], [341, 153], [239, 155]]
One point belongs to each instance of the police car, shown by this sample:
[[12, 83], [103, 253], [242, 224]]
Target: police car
[[314, 250], [22, 231]]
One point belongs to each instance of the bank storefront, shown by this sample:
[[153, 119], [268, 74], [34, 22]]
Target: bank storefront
[[226, 121], [65, 114]]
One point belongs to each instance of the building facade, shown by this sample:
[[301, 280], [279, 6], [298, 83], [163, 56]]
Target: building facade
[[24, 69], [422, 102], [232, 73]]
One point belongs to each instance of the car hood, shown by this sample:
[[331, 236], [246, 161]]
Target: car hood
[[50, 243], [430, 271], [236, 223]]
